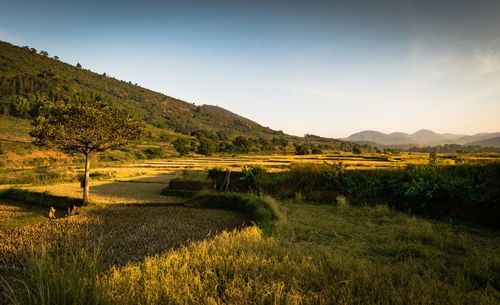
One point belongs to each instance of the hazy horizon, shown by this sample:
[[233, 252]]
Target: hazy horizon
[[325, 68]]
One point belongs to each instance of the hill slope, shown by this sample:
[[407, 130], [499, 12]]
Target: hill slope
[[491, 142], [29, 80]]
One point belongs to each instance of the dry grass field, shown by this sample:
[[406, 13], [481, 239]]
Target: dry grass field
[[134, 246]]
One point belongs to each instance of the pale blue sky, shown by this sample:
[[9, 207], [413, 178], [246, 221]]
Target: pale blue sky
[[322, 67]]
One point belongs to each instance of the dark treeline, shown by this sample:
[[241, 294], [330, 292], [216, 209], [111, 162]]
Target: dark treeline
[[206, 142], [443, 149], [468, 192], [453, 148]]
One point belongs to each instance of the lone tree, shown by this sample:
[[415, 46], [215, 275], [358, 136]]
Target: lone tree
[[85, 128]]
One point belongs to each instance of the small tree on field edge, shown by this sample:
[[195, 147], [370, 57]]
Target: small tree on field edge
[[86, 128]]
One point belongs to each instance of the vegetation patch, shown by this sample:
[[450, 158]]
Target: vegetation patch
[[262, 210], [468, 192], [188, 185], [15, 214]]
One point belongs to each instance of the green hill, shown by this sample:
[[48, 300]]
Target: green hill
[[29, 80]]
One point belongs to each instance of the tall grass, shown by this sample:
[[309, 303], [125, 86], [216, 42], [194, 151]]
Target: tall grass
[[246, 267], [62, 275]]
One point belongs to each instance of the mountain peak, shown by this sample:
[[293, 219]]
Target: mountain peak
[[424, 132]]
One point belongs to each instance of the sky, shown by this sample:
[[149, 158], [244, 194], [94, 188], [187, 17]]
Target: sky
[[330, 68]]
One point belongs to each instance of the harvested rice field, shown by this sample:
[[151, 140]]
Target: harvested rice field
[[123, 234]]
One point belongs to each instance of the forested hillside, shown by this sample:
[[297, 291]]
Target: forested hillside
[[30, 79]]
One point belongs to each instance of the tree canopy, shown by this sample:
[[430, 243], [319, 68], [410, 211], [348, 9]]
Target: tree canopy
[[84, 127]]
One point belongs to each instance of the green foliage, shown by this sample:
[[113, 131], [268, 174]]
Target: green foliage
[[433, 158], [244, 181], [262, 210], [356, 149], [182, 146], [241, 144], [84, 127], [249, 176], [316, 151], [468, 192], [41, 176], [64, 275], [154, 153], [206, 146], [302, 149]]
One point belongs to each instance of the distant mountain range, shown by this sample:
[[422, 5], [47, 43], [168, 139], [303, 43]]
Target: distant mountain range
[[424, 137]]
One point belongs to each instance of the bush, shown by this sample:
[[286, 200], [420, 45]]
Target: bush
[[186, 187], [154, 153], [244, 181], [262, 210], [301, 149], [42, 176]]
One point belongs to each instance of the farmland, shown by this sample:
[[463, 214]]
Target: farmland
[[284, 235], [135, 245]]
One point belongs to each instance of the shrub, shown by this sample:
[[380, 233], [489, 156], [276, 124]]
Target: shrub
[[186, 187], [301, 149], [244, 181], [262, 210]]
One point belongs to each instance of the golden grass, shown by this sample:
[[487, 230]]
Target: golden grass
[[322, 254], [246, 267], [282, 162]]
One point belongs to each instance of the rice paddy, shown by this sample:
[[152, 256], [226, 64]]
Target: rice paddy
[[134, 246]]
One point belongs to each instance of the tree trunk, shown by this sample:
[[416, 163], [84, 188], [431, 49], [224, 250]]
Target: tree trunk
[[86, 180]]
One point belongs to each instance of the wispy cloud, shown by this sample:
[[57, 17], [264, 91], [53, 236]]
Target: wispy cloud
[[488, 62]]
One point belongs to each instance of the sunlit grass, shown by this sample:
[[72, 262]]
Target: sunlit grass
[[320, 255]]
